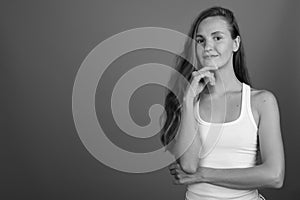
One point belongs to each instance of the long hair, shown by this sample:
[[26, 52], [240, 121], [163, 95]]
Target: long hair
[[173, 103]]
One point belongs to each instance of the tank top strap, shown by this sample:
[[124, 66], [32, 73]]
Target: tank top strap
[[244, 100], [248, 104]]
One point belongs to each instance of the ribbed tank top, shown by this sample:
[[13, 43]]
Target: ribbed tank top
[[235, 147]]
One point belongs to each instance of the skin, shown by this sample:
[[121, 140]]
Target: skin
[[213, 38]]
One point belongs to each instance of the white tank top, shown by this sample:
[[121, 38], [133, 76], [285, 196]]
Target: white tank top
[[235, 147]]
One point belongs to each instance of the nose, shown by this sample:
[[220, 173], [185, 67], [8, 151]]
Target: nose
[[208, 45]]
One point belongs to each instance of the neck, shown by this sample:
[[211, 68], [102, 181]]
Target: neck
[[226, 80]]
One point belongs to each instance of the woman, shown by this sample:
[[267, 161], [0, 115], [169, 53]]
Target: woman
[[219, 84]]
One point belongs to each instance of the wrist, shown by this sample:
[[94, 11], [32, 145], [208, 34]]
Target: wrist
[[187, 106], [188, 101], [203, 174], [189, 95]]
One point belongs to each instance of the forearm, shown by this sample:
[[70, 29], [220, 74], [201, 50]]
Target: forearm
[[242, 178], [187, 140]]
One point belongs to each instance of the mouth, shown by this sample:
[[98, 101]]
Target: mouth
[[210, 56]]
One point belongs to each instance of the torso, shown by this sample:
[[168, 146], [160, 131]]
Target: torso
[[227, 145], [232, 100]]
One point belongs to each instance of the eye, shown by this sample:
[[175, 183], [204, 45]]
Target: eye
[[199, 40], [217, 38]]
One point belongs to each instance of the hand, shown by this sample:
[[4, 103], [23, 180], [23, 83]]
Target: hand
[[183, 178], [199, 79]]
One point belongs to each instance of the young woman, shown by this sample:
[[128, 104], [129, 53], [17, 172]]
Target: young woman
[[220, 95]]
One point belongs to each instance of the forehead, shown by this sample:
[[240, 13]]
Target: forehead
[[212, 24]]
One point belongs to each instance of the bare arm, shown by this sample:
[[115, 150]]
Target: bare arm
[[268, 174], [187, 140]]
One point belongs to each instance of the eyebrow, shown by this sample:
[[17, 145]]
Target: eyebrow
[[213, 33]]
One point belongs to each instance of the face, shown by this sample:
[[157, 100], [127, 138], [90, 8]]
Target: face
[[215, 46]]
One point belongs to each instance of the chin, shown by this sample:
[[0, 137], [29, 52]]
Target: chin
[[210, 64]]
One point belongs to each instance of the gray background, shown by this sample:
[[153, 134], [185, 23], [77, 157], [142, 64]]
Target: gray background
[[43, 44]]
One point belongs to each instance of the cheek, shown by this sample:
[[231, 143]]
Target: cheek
[[199, 54], [228, 48], [224, 49], [199, 50]]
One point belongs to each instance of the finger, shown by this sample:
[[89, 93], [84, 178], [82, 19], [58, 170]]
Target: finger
[[202, 75], [177, 176], [173, 172], [207, 72], [213, 81], [201, 71], [208, 68], [171, 167], [201, 84], [176, 182], [174, 166], [209, 78]]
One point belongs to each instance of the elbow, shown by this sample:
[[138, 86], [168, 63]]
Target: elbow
[[273, 175], [278, 182], [188, 168], [277, 179]]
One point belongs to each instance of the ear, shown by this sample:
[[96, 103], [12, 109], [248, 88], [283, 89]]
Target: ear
[[236, 43]]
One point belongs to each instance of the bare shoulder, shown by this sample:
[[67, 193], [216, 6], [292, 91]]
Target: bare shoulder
[[263, 102], [262, 98]]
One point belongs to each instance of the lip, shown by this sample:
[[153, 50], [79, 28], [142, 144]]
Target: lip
[[210, 56]]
